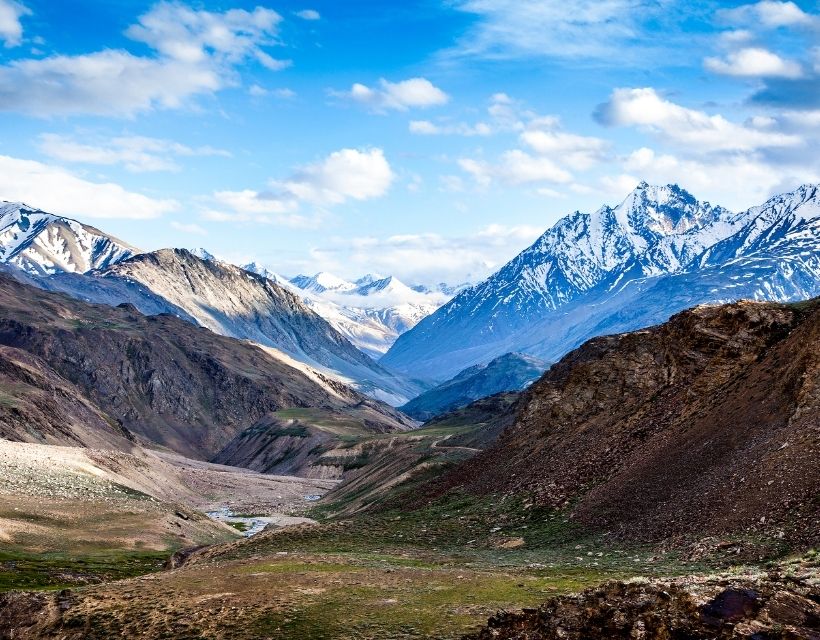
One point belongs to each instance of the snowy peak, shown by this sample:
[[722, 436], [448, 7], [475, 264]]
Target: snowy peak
[[372, 311], [779, 219], [652, 211], [42, 243], [368, 278], [204, 254], [261, 270], [322, 282], [390, 285]]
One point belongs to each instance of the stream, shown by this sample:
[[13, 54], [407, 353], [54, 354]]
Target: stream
[[252, 524]]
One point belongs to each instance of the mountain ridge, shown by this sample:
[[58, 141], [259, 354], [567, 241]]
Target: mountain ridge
[[599, 260]]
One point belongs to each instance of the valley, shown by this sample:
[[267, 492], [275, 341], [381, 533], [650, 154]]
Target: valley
[[190, 450], [441, 320]]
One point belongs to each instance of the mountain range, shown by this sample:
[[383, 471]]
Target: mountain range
[[60, 254], [618, 269], [372, 311]]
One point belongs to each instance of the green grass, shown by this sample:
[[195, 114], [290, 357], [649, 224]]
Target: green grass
[[21, 570]]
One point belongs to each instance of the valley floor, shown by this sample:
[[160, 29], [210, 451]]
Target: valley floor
[[439, 571], [71, 516]]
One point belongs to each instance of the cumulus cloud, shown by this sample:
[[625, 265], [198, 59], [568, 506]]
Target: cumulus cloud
[[545, 136], [508, 29], [552, 151], [397, 96], [754, 62], [692, 129], [192, 53], [515, 167], [11, 29], [57, 190], [542, 134], [770, 14], [136, 153], [347, 174]]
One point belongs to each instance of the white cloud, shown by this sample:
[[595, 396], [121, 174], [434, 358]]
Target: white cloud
[[578, 152], [754, 62], [348, 174], [694, 130], [136, 153], [11, 30], [398, 96], [426, 258], [735, 37], [309, 14], [181, 33], [771, 14], [427, 128], [736, 181], [189, 227], [505, 115], [507, 29], [193, 53], [258, 91], [515, 167], [271, 63], [57, 190], [454, 184]]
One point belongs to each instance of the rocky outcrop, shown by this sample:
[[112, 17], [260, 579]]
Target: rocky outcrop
[[761, 608]]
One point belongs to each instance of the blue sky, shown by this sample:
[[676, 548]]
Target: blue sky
[[431, 139]]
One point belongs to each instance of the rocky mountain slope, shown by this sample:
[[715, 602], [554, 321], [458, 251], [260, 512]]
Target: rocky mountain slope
[[510, 372], [237, 303], [42, 243], [38, 405], [585, 275], [705, 425], [172, 384]]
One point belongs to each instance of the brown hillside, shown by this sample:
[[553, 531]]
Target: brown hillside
[[709, 423], [161, 378]]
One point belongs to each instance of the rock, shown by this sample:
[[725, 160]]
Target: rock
[[689, 609]]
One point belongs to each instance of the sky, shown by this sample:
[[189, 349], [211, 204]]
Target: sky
[[428, 139]]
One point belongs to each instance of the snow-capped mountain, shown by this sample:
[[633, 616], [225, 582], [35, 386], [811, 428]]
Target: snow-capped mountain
[[322, 282], [260, 270], [372, 311], [619, 269], [42, 243]]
